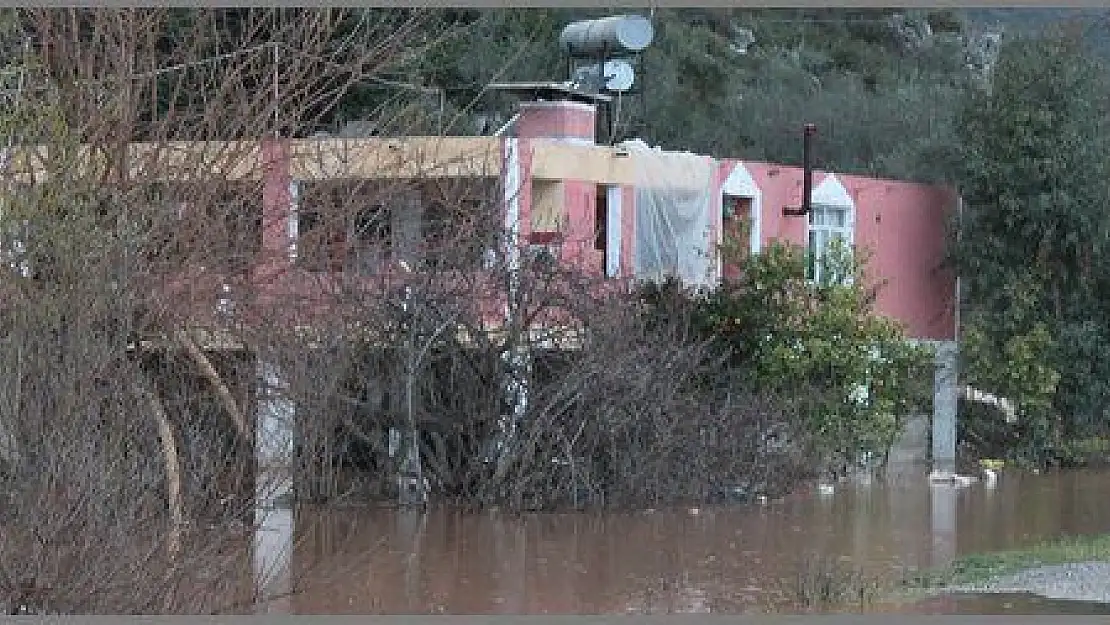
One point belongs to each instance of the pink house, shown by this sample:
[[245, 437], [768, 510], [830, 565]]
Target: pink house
[[645, 211], [588, 198], [618, 212]]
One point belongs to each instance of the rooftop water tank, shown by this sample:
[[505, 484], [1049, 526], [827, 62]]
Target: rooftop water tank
[[619, 33]]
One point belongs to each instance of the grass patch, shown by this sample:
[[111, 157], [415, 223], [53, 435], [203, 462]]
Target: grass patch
[[978, 568], [830, 585]]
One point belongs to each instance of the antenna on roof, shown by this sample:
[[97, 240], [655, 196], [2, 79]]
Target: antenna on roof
[[594, 75]]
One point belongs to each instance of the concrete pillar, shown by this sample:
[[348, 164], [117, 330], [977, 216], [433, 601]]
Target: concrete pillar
[[10, 389], [945, 389], [411, 484], [613, 232], [516, 360], [272, 546], [517, 363], [279, 211], [272, 551], [9, 451], [274, 426]]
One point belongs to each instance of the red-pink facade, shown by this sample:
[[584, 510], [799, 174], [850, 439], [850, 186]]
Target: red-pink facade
[[902, 225]]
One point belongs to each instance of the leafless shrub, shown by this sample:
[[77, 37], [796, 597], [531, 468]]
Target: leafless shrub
[[126, 432], [640, 416], [152, 302], [617, 410]]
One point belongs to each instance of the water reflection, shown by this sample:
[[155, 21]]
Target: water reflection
[[735, 559], [272, 556], [943, 498]]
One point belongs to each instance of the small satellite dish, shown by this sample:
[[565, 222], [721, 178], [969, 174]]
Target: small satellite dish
[[618, 75], [742, 40]]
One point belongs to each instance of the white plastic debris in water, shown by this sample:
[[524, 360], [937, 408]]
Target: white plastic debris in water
[[825, 489], [954, 479]]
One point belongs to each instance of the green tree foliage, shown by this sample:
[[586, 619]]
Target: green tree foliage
[[851, 374], [1033, 245], [881, 98]]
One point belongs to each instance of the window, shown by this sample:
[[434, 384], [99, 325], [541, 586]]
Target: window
[[217, 225], [460, 221], [343, 226], [736, 235], [826, 225], [237, 215], [601, 223], [369, 240], [319, 232]]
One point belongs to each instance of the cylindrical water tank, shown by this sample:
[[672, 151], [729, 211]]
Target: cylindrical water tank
[[619, 33]]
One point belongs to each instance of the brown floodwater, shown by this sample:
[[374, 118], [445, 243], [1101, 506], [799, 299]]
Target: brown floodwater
[[735, 559]]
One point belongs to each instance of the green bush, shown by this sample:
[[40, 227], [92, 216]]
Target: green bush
[[851, 374]]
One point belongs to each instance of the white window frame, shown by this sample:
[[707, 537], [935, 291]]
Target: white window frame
[[741, 184], [753, 219], [829, 195], [820, 235]]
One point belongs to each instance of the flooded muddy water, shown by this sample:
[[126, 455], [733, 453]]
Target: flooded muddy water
[[735, 559]]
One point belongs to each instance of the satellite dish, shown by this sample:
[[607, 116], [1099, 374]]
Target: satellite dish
[[618, 75]]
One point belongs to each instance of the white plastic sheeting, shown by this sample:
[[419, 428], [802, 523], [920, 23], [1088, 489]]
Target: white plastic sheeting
[[674, 216]]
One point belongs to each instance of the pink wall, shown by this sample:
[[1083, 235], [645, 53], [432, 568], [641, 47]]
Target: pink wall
[[578, 236], [902, 224], [276, 210]]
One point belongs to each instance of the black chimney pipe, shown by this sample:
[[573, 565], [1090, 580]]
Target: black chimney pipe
[[807, 174]]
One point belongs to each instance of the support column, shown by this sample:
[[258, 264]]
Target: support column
[[272, 546], [273, 562], [411, 485], [412, 490], [613, 232], [273, 439], [9, 407], [515, 358], [517, 366], [945, 391], [9, 451], [280, 199]]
